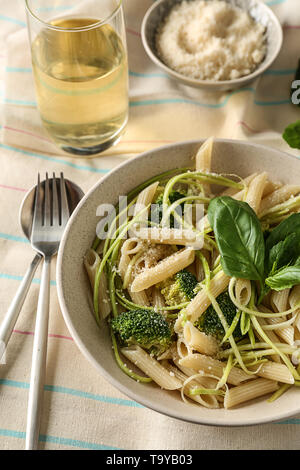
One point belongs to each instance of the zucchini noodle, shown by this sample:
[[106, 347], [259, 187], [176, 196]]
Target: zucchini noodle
[[282, 389], [105, 258], [232, 327], [227, 369], [231, 340], [129, 372], [131, 304], [130, 267], [255, 312], [282, 208], [281, 325]]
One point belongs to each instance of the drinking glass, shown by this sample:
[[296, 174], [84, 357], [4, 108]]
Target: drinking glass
[[80, 68]]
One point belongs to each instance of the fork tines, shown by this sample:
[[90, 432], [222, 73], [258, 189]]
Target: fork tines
[[51, 205]]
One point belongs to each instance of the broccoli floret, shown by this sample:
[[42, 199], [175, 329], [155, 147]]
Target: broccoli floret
[[157, 209], [210, 324], [144, 327], [179, 288]]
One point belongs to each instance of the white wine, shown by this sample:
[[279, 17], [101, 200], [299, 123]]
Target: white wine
[[81, 79]]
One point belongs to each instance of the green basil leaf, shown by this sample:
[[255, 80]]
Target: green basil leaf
[[239, 237], [285, 228], [284, 278], [292, 135], [283, 253]]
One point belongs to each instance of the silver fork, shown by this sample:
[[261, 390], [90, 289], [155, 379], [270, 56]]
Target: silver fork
[[51, 213]]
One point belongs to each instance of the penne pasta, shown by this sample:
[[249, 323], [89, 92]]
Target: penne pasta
[[171, 236], [206, 379], [183, 348], [278, 196], [271, 334], [248, 391], [199, 341], [139, 298], [206, 400], [203, 160], [255, 191], [200, 362], [201, 302], [233, 192], [158, 300], [199, 271], [294, 297], [279, 301], [294, 301], [164, 269], [203, 224], [287, 333], [92, 262], [144, 199], [132, 246], [123, 264], [271, 370], [151, 367], [243, 291], [168, 354], [270, 187]]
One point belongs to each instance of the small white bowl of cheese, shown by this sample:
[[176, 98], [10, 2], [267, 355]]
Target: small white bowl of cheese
[[212, 44]]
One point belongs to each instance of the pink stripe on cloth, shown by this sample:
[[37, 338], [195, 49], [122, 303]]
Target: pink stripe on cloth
[[50, 335], [14, 188], [27, 133], [131, 31], [244, 124], [290, 26]]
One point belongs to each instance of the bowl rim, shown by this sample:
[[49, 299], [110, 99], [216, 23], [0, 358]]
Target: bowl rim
[[80, 344], [212, 83]]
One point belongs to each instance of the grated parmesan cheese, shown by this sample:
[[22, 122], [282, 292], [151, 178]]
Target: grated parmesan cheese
[[211, 40]]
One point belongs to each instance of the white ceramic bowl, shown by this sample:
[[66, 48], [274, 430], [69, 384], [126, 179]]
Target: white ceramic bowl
[[257, 10], [75, 299]]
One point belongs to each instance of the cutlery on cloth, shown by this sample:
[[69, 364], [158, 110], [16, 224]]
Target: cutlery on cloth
[[25, 217], [50, 216]]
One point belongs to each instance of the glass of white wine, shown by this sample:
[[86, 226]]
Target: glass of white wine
[[80, 68]]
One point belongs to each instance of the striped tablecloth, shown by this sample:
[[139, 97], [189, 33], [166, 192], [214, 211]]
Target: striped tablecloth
[[81, 410]]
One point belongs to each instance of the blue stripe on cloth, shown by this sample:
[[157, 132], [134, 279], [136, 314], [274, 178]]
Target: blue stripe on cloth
[[272, 3], [18, 69], [58, 440], [75, 443], [154, 75], [57, 160], [186, 101], [101, 398], [20, 102], [12, 20], [76, 393], [92, 396], [290, 421], [154, 102], [55, 8], [207, 105], [147, 75], [14, 238], [12, 277]]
